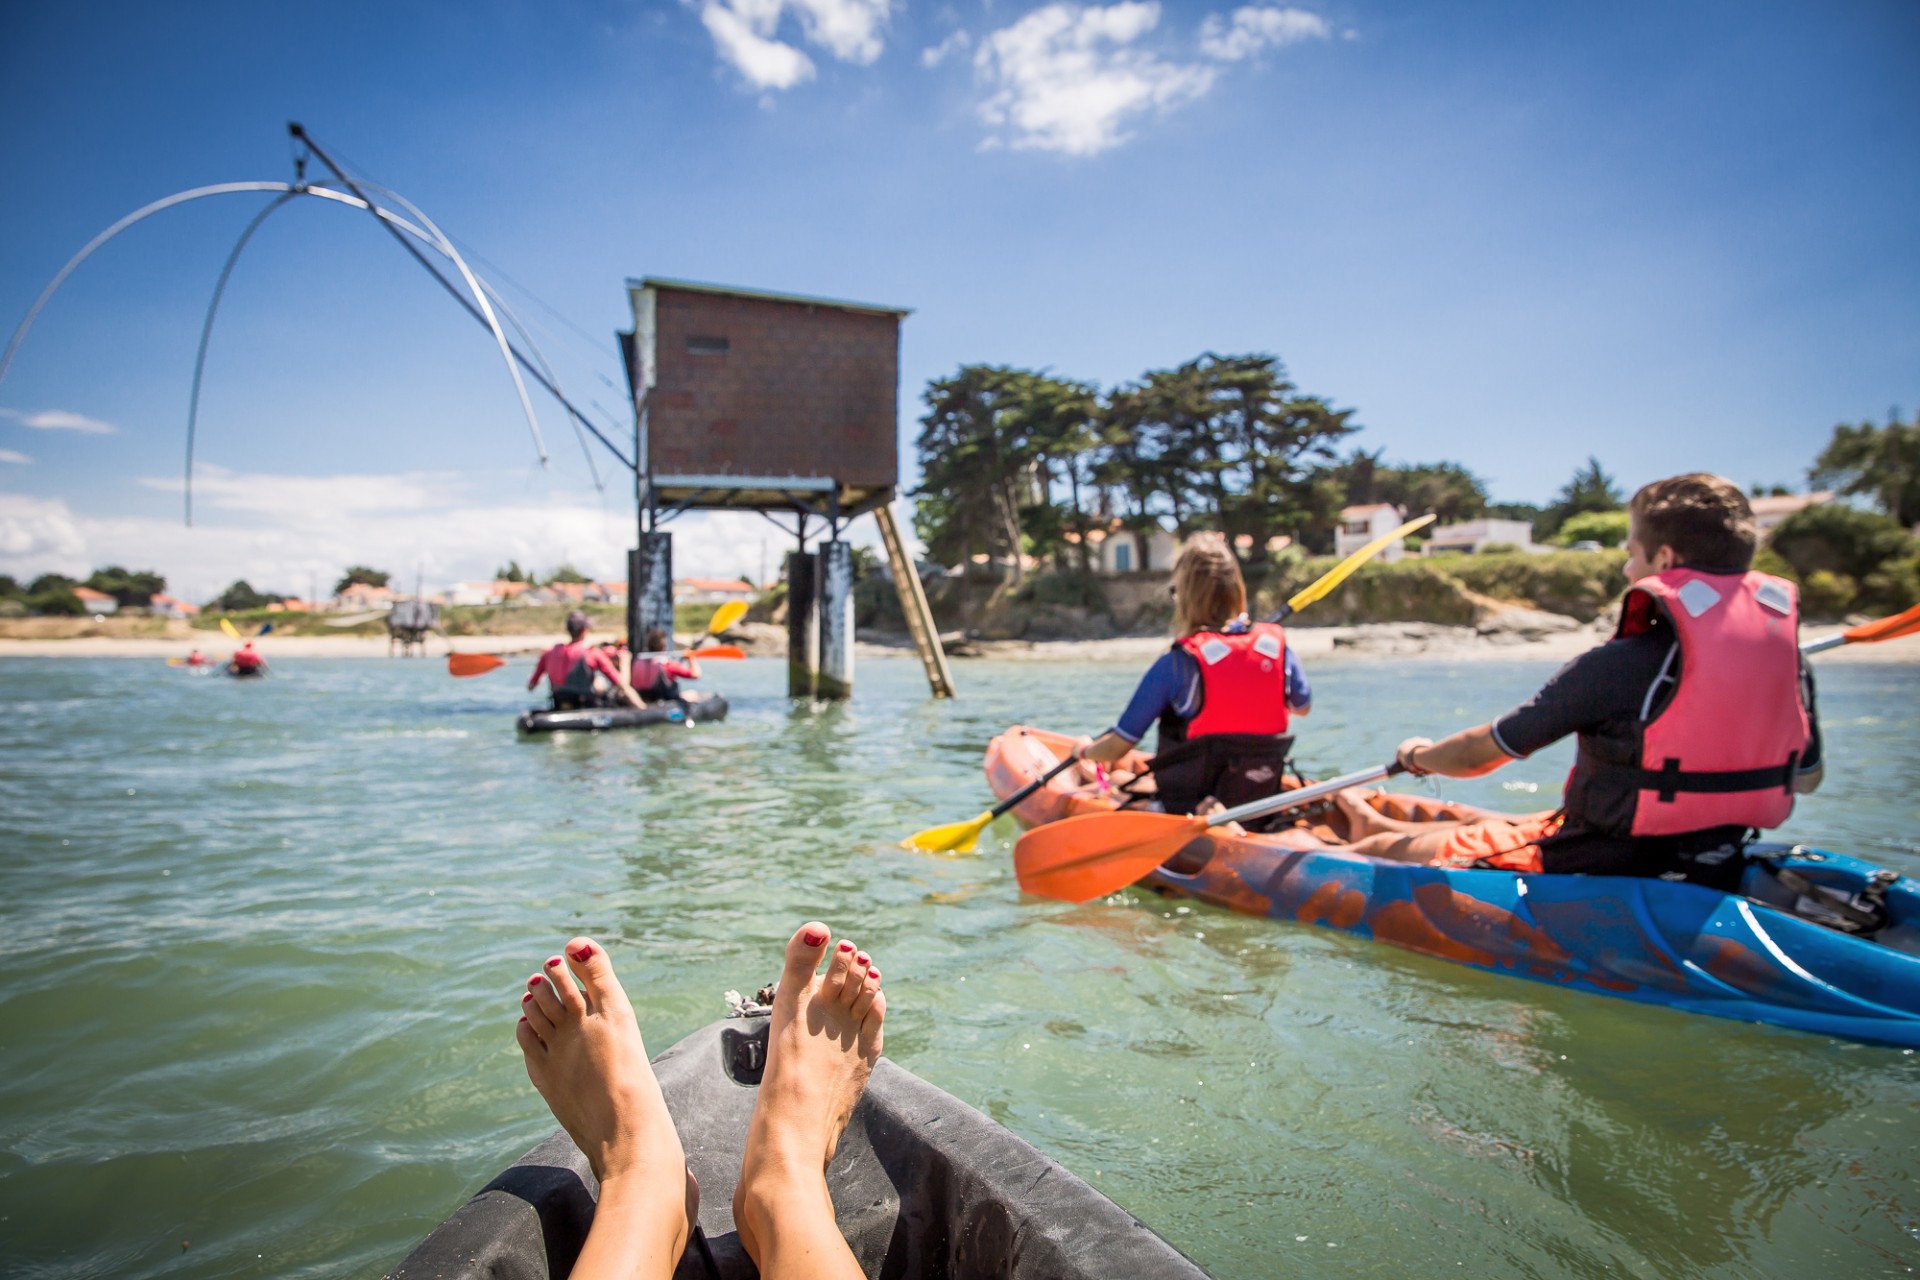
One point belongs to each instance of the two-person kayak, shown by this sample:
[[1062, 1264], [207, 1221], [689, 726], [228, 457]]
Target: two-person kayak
[[709, 708], [923, 1186], [1758, 955]]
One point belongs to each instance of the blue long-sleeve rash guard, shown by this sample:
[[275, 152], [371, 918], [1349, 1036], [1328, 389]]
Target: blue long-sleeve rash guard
[[1173, 684]]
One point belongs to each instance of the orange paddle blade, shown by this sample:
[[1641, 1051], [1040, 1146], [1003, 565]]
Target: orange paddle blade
[[719, 651], [473, 664], [1086, 857], [1899, 624]]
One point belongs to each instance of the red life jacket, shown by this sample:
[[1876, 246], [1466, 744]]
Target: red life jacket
[[1722, 751], [246, 659], [1243, 680]]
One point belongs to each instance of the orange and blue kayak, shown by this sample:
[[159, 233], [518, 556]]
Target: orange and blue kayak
[[1813, 940]]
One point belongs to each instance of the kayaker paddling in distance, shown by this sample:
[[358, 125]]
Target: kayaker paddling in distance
[[657, 676], [583, 1052], [246, 661], [579, 674], [1223, 695], [1696, 722]]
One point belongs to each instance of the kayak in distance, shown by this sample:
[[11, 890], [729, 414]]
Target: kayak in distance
[[923, 1186], [1814, 941], [672, 711]]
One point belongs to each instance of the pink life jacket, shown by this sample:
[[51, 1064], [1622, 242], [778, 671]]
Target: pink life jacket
[[1243, 680], [1723, 750]]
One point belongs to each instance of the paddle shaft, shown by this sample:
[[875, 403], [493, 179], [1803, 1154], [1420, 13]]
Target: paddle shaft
[[1033, 786], [1305, 795]]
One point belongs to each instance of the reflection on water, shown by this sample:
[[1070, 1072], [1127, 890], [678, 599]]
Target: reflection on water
[[265, 941]]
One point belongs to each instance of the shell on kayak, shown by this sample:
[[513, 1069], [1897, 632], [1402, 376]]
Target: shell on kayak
[[588, 719], [923, 1186], [1745, 955]]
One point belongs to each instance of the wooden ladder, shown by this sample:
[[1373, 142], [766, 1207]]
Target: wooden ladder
[[913, 603]]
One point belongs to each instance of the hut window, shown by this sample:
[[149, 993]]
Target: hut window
[[706, 345]]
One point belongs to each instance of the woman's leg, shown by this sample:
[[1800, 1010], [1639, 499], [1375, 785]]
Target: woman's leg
[[821, 1048], [584, 1054]]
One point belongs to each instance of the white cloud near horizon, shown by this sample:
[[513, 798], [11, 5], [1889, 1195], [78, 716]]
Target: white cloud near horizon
[[1068, 77], [745, 34], [288, 533], [60, 420], [16, 457], [1254, 28]]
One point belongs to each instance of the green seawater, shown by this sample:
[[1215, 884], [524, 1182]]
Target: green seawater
[[264, 944]]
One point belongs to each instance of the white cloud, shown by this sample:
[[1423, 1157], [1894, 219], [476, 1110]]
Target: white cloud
[[1065, 77], [60, 420], [958, 42], [290, 533], [744, 32], [765, 63], [39, 535], [1254, 28], [15, 456]]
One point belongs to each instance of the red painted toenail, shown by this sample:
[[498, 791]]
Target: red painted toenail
[[582, 953], [814, 937], [874, 974], [535, 980], [553, 962], [526, 997], [862, 960], [523, 1017], [845, 945]]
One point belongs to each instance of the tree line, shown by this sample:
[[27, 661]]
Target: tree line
[[1020, 462]]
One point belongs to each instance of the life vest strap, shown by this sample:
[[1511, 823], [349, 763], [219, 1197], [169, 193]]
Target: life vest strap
[[1670, 779]]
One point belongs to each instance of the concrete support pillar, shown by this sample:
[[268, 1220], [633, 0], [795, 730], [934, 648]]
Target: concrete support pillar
[[836, 621], [803, 625], [649, 588]]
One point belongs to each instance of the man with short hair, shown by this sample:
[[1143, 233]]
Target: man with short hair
[[580, 674], [1696, 722]]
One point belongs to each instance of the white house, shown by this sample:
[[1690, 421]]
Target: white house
[[1117, 550], [711, 590], [165, 606], [1361, 525], [1475, 536], [1768, 512], [96, 603]]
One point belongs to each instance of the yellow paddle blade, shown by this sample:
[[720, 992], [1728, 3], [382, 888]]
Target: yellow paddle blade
[[226, 625], [176, 662], [954, 837], [1342, 571], [726, 615]]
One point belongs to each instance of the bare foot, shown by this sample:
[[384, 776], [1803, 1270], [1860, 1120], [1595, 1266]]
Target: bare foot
[[584, 1054], [823, 1042]]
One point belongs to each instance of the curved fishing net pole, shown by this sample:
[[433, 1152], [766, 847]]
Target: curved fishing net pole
[[320, 190], [286, 189]]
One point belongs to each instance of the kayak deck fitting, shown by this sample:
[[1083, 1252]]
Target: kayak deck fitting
[[673, 711], [1747, 956], [923, 1186]]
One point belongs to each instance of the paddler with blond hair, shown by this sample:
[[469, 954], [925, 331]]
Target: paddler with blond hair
[[1223, 695]]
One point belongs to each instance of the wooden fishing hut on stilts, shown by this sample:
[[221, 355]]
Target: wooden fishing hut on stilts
[[787, 406]]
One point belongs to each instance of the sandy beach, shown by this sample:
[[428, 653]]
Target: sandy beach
[[1530, 638]]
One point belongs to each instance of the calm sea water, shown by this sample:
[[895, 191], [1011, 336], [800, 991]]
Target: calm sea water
[[264, 945]]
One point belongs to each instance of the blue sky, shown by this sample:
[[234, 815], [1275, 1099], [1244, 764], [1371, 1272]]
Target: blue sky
[[1675, 236]]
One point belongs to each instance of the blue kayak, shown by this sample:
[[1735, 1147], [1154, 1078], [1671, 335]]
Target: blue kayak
[[1814, 940]]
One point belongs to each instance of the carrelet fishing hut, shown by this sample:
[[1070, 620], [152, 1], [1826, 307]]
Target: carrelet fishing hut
[[782, 404]]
